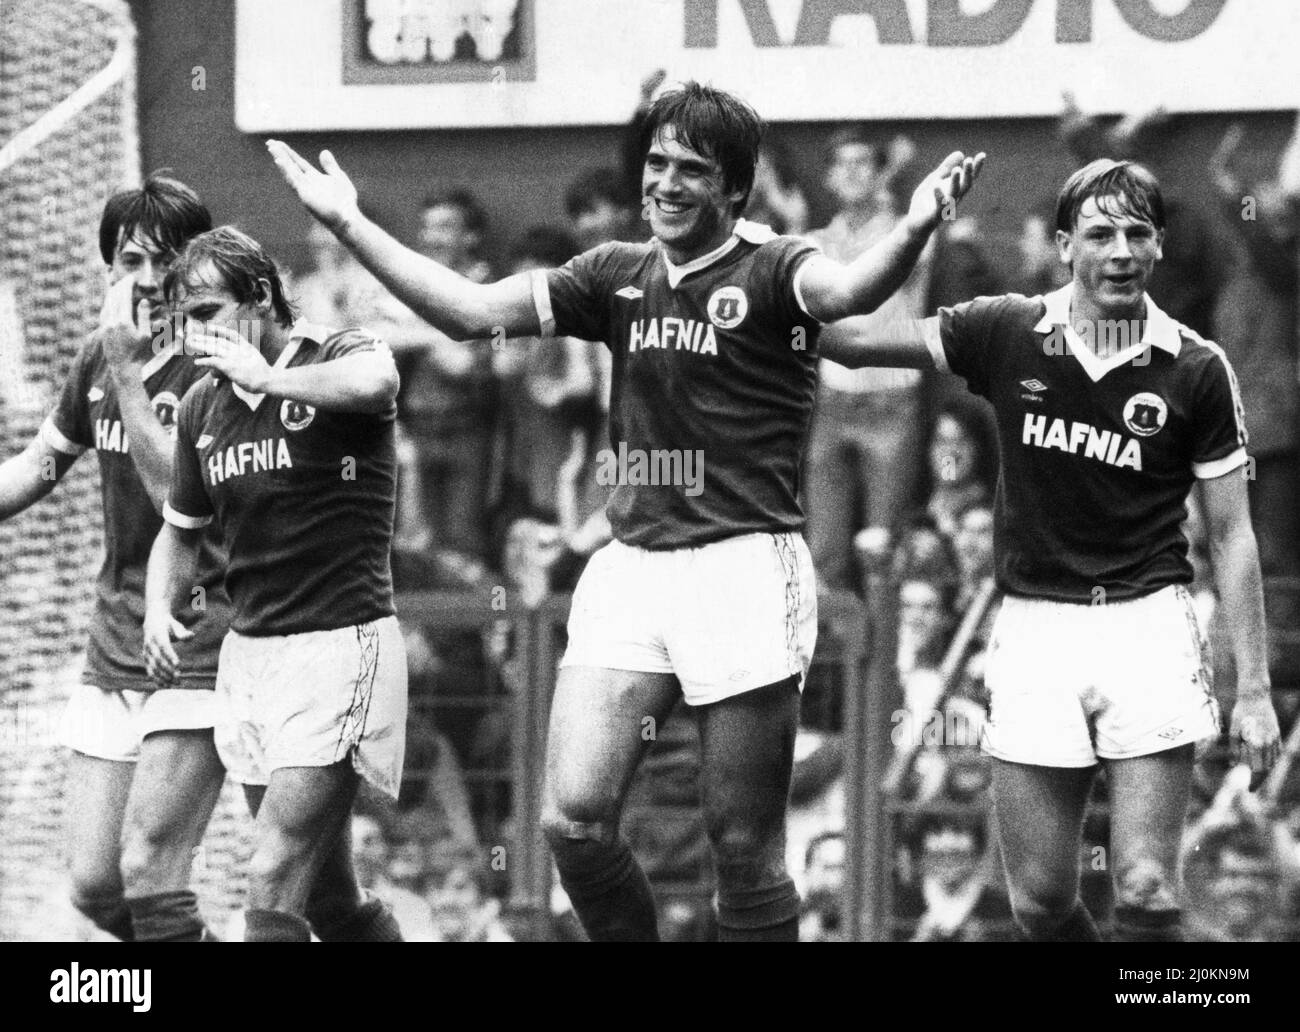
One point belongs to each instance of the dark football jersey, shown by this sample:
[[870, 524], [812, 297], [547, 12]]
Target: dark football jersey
[[303, 497], [87, 415], [714, 374], [1099, 449]]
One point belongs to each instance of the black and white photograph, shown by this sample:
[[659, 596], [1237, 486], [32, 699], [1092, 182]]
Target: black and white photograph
[[652, 471]]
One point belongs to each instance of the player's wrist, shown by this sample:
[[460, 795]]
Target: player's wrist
[[344, 222], [1254, 689]]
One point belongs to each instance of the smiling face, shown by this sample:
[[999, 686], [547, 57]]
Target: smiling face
[[1113, 252], [689, 207]]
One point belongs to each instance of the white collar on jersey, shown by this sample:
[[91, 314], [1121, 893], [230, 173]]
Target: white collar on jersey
[[1161, 331], [302, 330], [750, 232]]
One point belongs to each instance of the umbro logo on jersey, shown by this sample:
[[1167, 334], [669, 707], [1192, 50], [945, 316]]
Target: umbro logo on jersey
[[203, 441], [95, 394], [631, 293], [1034, 387]]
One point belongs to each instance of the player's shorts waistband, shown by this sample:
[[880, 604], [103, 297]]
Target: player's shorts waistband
[[1101, 600], [740, 541]]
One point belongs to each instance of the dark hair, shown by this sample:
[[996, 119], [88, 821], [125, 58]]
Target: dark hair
[[593, 186], [712, 123], [163, 209], [856, 134], [1119, 188], [238, 261], [471, 211], [545, 245]]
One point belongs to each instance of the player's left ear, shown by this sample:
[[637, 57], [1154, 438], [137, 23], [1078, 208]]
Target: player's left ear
[[1160, 244], [263, 295], [1065, 246]]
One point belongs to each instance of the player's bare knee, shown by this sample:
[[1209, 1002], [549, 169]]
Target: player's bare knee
[[576, 828], [1145, 883]]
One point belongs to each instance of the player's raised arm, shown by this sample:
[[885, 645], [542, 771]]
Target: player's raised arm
[[363, 381], [833, 291], [461, 308], [124, 336]]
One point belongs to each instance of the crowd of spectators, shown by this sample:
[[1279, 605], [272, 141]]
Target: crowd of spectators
[[498, 453]]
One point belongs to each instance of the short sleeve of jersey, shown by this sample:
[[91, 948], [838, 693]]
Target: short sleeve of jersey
[[68, 427], [572, 300], [188, 505], [787, 257], [357, 342], [1218, 421], [350, 342], [965, 340]]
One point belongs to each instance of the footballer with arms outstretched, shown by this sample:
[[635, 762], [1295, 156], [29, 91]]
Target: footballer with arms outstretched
[[288, 448], [707, 590], [143, 776], [1108, 412]]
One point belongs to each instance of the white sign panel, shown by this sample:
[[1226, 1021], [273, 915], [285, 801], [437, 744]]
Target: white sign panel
[[395, 64]]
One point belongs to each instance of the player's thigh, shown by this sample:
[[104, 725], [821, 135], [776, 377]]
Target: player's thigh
[[602, 720], [1148, 807], [1039, 813], [95, 798], [746, 759], [177, 782]]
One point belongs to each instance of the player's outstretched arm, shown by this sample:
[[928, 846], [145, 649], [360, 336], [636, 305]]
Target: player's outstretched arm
[[124, 336], [833, 291], [363, 381], [30, 475], [1254, 733], [173, 563], [461, 308]]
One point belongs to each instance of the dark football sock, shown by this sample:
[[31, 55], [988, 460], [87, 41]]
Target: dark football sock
[[371, 921], [1078, 926], [109, 913], [275, 926], [608, 890], [1135, 924], [168, 917], [765, 914]]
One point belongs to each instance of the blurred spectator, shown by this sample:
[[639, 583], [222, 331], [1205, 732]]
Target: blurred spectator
[[462, 911], [863, 446], [950, 852], [336, 289], [823, 889], [599, 210], [1041, 270], [371, 853], [448, 400], [776, 199], [550, 389], [1255, 324], [961, 463]]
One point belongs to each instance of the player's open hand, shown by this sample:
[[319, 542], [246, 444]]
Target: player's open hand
[[1254, 734], [160, 659], [329, 195], [229, 354], [122, 329], [936, 199]]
